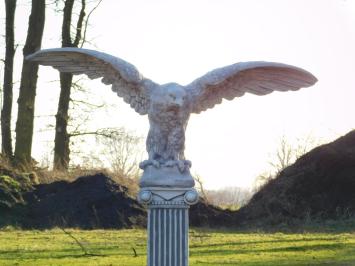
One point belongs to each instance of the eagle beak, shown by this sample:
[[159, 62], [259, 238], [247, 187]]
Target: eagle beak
[[179, 102]]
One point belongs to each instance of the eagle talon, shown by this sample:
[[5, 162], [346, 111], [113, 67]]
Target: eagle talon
[[181, 165], [155, 163], [146, 163], [170, 163], [187, 163]]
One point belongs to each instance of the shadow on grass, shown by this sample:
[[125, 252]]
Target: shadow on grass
[[328, 226], [272, 263], [265, 242], [58, 253], [303, 248]]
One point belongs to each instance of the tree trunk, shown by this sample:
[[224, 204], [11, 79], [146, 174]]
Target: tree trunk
[[62, 137], [61, 142], [26, 100], [6, 144]]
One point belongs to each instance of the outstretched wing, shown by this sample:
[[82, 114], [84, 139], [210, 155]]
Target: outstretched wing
[[235, 80], [125, 79]]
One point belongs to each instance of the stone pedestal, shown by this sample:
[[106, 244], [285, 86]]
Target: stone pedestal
[[168, 223]]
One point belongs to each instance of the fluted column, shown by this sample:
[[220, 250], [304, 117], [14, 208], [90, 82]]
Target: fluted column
[[168, 224]]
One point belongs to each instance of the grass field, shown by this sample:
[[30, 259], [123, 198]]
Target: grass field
[[113, 248]]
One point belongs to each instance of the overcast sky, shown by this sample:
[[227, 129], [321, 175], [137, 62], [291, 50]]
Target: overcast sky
[[180, 40]]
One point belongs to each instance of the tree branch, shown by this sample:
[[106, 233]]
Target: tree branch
[[88, 104], [105, 132], [79, 24], [87, 22]]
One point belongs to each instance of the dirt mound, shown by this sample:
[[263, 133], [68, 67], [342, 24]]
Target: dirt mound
[[12, 187], [89, 202], [98, 202], [320, 185], [93, 201], [207, 215]]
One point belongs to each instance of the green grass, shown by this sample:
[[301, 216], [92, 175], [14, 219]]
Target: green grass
[[110, 247]]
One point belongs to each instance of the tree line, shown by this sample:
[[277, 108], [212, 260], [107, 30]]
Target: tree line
[[73, 34]]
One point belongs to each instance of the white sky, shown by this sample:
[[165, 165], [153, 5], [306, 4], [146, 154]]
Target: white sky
[[180, 40]]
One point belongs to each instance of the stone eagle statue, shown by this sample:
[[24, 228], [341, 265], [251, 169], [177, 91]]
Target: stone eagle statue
[[169, 106]]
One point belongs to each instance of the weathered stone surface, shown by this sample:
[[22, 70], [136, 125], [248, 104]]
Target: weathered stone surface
[[166, 177], [168, 224], [169, 105]]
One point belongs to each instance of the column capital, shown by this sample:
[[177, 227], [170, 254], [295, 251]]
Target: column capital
[[166, 197]]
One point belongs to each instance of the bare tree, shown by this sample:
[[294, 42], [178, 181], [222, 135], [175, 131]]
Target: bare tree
[[61, 142], [124, 151], [6, 144], [285, 155], [26, 100], [62, 136], [1, 89], [261, 180], [200, 187], [83, 106], [229, 197]]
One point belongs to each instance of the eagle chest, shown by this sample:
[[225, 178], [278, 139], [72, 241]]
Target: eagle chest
[[167, 120]]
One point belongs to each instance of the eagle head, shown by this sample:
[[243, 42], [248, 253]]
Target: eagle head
[[172, 95]]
